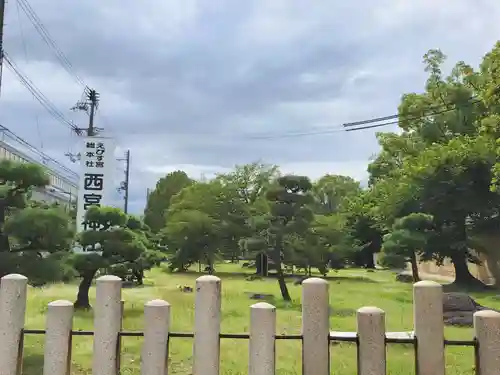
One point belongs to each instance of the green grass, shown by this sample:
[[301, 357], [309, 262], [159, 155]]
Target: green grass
[[349, 290]]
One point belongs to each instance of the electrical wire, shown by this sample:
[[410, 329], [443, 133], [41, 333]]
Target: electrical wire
[[25, 50], [372, 122], [32, 148], [38, 95], [42, 31], [350, 127]]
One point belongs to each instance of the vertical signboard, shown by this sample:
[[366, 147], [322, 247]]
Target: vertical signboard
[[96, 177]]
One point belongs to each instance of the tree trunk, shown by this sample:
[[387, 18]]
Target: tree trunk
[[82, 298], [262, 265], [462, 272], [281, 281], [414, 267], [276, 256], [369, 260], [139, 276], [460, 261]]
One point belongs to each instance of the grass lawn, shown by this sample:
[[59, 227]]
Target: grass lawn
[[349, 290]]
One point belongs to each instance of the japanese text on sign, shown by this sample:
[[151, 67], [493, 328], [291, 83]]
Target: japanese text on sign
[[96, 183]]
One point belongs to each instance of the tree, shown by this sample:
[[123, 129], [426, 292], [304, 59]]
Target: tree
[[450, 182], [409, 237], [251, 180], [362, 229], [159, 199], [444, 159], [192, 236], [210, 210], [331, 190], [290, 215], [31, 238], [41, 239], [324, 245], [16, 180], [112, 244]]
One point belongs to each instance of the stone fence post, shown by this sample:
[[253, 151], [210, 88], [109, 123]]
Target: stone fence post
[[315, 327], [207, 315], [429, 327], [262, 353], [57, 358], [487, 330], [155, 346], [107, 325], [13, 293], [371, 335]]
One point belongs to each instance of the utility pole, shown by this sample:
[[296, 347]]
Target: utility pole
[[2, 17], [124, 186], [93, 98], [127, 179], [89, 105]]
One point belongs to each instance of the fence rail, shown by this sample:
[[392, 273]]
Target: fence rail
[[371, 337]]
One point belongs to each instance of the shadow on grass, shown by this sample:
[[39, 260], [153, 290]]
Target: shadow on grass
[[32, 363], [294, 305], [272, 276], [486, 290], [355, 279]]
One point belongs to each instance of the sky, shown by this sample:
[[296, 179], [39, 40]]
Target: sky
[[203, 85]]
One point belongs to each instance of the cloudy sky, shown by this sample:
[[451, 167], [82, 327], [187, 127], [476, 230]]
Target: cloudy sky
[[202, 85]]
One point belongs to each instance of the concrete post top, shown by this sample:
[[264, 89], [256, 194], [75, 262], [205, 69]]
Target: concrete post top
[[208, 279], [156, 303], [15, 276], [487, 314], [315, 280], [263, 306], [370, 310], [427, 284], [108, 278], [60, 303]]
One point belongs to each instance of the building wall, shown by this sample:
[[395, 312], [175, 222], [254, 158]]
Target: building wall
[[479, 271], [62, 189]]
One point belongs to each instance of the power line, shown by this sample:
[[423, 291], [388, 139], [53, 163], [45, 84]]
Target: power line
[[350, 126], [32, 148], [432, 112], [38, 95], [373, 122], [42, 31]]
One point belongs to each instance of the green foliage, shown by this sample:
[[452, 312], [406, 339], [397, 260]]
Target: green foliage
[[331, 191], [159, 199], [442, 164], [206, 221], [16, 181], [431, 186], [119, 245], [113, 242], [408, 237], [35, 238], [40, 230]]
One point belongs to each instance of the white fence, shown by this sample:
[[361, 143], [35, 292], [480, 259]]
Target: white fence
[[371, 338]]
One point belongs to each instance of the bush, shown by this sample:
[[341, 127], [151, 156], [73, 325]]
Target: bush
[[392, 261]]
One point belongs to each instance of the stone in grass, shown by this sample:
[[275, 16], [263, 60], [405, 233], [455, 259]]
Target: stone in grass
[[261, 296], [404, 277], [459, 309], [253, 278]]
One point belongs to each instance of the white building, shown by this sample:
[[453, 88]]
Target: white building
[[63, 186]]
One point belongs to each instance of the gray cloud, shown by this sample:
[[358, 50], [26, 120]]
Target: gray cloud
[[199, 85]]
